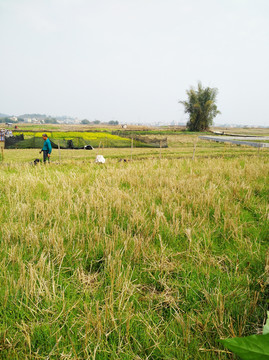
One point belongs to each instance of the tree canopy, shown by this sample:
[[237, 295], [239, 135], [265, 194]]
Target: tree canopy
[[85, 122], [201, 107]]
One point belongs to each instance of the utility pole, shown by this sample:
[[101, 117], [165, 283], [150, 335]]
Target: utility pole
[[2, 143], [59, 151], [194, 148]]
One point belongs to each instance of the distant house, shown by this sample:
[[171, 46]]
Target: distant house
[[36, 121], [13, 118]]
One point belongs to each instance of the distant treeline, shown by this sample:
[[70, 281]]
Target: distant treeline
[[8, 120], [147, 132], [20, 120], [96, 122]]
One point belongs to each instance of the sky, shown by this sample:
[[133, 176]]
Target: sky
[[133, 60]]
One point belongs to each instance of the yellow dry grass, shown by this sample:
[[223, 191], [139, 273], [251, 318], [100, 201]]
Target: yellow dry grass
[[156, 258]]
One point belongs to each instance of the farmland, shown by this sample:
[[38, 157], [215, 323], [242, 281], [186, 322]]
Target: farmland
[[157, 257], [34, 139], [104, 137]]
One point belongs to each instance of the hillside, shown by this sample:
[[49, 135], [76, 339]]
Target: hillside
[[3, 115]]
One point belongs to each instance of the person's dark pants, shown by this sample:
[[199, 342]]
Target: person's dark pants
[[45, 156]]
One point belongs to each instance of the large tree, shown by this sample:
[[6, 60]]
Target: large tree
[[201, 107]]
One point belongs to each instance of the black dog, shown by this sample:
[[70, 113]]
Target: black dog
[[36, 161]]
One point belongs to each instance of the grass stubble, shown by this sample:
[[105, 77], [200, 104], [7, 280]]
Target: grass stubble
[[152, 259]]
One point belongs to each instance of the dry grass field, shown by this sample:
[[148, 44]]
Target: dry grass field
[[154, 258]]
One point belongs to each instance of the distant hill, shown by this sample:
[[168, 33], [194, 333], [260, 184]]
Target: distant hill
[[64, 117], [33, 116], [44, 116], [4, 115]]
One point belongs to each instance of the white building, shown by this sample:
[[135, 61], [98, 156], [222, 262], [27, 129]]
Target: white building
[[13, 118]]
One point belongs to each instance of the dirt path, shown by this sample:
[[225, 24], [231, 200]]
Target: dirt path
[[236, 140]]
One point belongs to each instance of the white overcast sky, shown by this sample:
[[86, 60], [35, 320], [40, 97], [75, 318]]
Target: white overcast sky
[[132, 60]]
